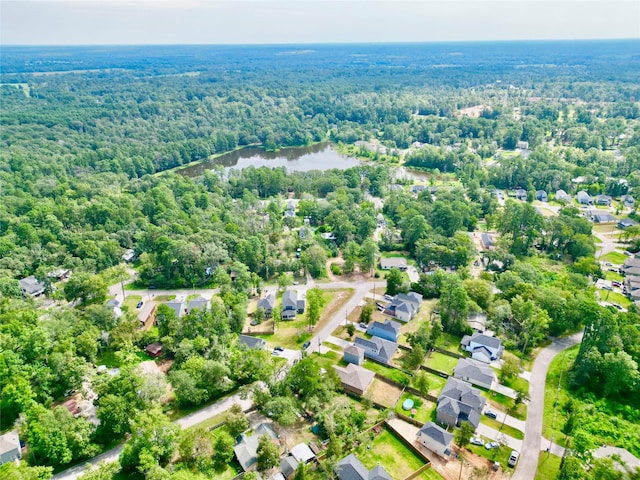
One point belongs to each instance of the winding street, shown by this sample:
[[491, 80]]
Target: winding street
[[531, 446]]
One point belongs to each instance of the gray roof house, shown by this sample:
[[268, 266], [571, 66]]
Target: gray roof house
[[626, 223], [252, 342], [292, 304], [598, 216], [288, 466], [350, 468], [487, 241], [246, 449], [583, 198], [199, 303], [355, 379], [177, 306], [627, 201], [631, 262], [482, 347], [561, 195], [459, 402], [474, 372], [521, 194], [435, 438], [353, 354], [389, 330], [377, 348], [541, 195], [31, 286], [10, 449], [603, 200], [405, 306], [393, 262], [267, 304]]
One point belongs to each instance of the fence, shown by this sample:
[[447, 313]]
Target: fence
[[447, 352], [407, 443], [418, 472]]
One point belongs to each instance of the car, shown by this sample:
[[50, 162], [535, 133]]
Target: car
[[615, 305], [278, 349], [616, 283], [388, 297], [363, 325], [476, 441], [140, 303], [491, 445], [491, 414], [513, 458], [608, 264], [275, 353], [306, 345]]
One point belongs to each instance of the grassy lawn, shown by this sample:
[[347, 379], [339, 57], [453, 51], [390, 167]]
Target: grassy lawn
[[501, 402], [557, 373], [609, 275], [424, 408], [615, 297], [548, 466], [328, 360], [130, 302], [517, 383], [436, 383], [450, 342], [391, 373], [109, 358], [494, 455], [441, 362], [614, 257], [168, 298], [506, 429], [430, 474], [388, 451]]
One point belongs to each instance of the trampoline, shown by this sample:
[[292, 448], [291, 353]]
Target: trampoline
[[407, 404]]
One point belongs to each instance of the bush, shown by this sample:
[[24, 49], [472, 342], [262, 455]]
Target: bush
[[335, 269]]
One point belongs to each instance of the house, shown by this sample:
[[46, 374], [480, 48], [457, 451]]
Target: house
[[31, 286], [435, 438], [353, 354], [59, 274], [114, 305], [288, 466], [541, 195], [561, 196], [198, 303], [10, 449], [583, 198], [459, 402], [149, 368], [246, 448], [355, 379], [350, 468], [482, 347], [603, 200], [633, 272], [477, 321], [597, 216], [328, 236], [154, 349], [522, 145], [128, 255], [487, 241], [267, 304], [302, 453], [631, 262], [416, 189], [377, 349], [393, 262], [626, 223], [404, 306], [474, 372], [292, 305], [521, 194], [627, 201], [252, 342], [389, 330], [178, 307]]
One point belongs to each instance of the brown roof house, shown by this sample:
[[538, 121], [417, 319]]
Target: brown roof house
[[355, 379], [155, 349]]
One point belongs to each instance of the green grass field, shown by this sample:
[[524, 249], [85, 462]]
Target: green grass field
[[557, 373], [506, 429], [130, 302], [613, 276], [615, 297], [548, 466], [615, 257], [494, 455], [391, 373], [441, 362], [387, 450], [436, 383], [424, 408]]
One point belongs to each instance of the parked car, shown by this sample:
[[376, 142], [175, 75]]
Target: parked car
[[388, 297], [363, 325], [513, 458], [615, 283], [279, 349], [476, 441], [491, 445], [139, 305], [305, 345], [615, 305], [491, 414]]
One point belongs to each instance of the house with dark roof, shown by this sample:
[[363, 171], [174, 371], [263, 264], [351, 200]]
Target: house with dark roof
[[353, 354], [633, 272], [291, 305], [267, 303], [288, 466], [459, 402], [377, 349], [482, 347], [603, 200], [355, 379], [541, 195], [10, 449], [178, 307], [350, 468], [404, 307], [598, 216], [521, 194], [436, 439], [394, 262], [31, 287], [198, 303], [154, 349], [389, 330], [626, 223], [416, 189], [474, 372], [627, 201], [246, 448], [487, 241], [631, 262], [252, 342], [583, 198]]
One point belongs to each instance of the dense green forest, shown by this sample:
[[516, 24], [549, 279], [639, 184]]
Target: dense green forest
[[88, 144]]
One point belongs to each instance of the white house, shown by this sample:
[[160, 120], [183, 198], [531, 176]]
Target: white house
[[482, 347], [435, 438]]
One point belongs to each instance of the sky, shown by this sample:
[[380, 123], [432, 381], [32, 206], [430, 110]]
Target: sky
[[127, 22]]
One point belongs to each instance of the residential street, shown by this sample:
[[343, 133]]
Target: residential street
[[532, 444], [184, 422]]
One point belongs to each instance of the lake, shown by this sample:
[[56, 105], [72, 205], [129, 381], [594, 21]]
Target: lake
[[321, 156]]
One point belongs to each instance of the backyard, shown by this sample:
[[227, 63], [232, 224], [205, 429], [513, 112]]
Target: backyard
[[423, 408], [441, 362], [436, 383], [382, 393]]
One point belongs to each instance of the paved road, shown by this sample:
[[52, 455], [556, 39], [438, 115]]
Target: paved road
[[528, 463], [185, 422]]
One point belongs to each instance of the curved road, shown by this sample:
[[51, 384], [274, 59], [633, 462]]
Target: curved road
[[528, 463]]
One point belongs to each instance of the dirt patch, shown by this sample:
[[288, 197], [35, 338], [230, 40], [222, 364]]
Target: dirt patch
[[337, 302], [383, 393]]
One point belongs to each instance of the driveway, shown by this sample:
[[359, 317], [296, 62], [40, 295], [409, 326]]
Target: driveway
[[185, 422], [533, 441]]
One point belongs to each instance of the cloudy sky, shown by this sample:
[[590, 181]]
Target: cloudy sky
[[111, 22]]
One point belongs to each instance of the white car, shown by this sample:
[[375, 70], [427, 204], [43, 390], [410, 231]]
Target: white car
[[513, 458], [476, 441]]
